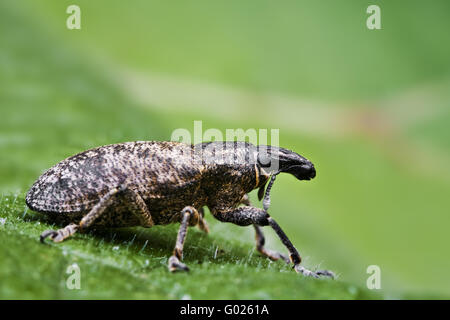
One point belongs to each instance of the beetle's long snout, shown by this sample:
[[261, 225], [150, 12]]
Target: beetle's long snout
[[297, 165], [306, 172], [288, 161]]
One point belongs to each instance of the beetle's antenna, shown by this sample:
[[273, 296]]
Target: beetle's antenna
[[266, 201]]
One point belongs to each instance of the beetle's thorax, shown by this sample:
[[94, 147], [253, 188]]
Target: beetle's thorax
[[230, 170]]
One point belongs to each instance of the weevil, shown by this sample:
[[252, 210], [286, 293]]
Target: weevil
[[147, 183]]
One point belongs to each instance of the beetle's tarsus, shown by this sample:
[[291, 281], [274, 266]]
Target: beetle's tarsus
[[307, 273], [61, 234], [326, 273], [317, 274], [48, 233], [176, 265]]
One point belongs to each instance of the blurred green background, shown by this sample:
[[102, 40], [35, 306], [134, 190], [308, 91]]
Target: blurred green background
[[371, 109]]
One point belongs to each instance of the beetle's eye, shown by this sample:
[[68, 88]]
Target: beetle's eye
[[264, 160]]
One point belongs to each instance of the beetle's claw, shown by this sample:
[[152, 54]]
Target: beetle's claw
[[48, 233], [308, 273], [176, 265], [326, 273]]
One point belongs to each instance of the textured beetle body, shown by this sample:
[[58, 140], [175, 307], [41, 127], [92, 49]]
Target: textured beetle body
[[148, 182], [167, 175]]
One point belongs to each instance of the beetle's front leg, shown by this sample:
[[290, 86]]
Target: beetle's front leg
[[247, 215], [294, 255], [271, 254], [174, 261], [260, 240]]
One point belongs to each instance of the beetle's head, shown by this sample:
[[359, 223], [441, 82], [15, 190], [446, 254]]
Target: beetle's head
[[275, 160]]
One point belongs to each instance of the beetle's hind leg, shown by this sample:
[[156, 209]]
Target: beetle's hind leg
[[130, 197], [175, 263]]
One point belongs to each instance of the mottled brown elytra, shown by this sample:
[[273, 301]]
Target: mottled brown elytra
[[148, 183]]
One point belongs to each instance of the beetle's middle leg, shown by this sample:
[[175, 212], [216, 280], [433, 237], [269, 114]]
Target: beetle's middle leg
[[260, 240], [130, 197], [202, 224], [174, 261]]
